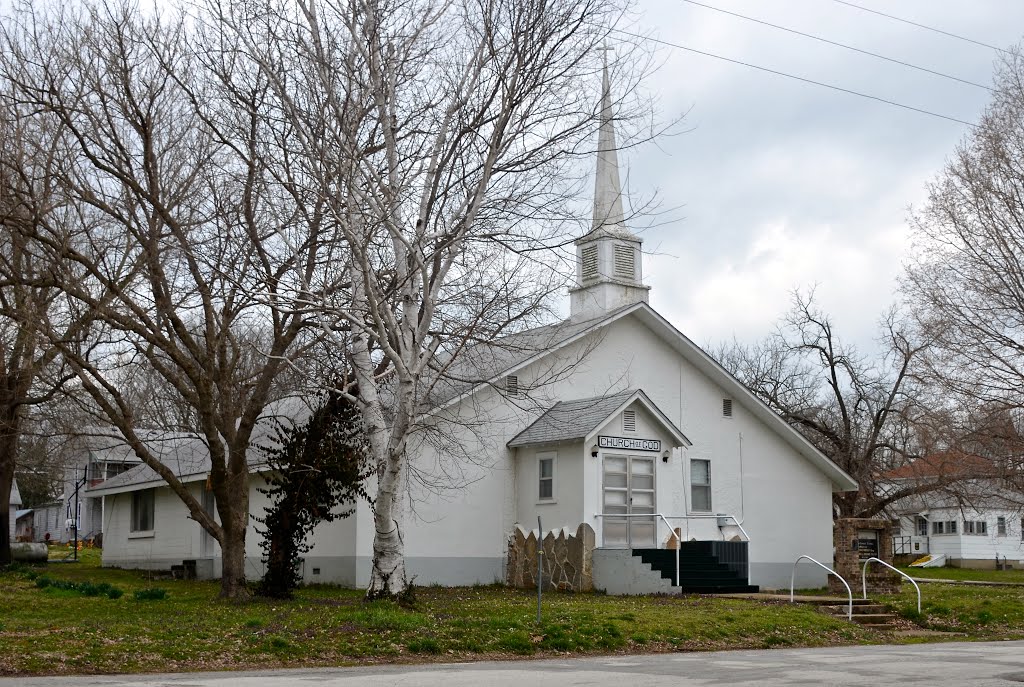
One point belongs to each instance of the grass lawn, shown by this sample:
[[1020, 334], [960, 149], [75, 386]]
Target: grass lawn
[[966, 574], [56, 630], [52, 630]]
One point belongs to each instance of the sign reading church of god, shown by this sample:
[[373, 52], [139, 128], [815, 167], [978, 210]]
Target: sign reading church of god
[[629, 444]]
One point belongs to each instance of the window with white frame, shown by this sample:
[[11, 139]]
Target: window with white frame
[[142, 510], [700, 485], [1001, 526], [546, 476], [975, 527], [944, 527], [922, 527]]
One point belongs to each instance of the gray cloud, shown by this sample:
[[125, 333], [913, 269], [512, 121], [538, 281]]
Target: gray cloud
[[782, 184]]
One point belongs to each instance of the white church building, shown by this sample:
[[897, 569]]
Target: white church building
[[611, 418]]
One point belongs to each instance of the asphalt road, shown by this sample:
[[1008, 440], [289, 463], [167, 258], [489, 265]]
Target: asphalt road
[[975, 664]]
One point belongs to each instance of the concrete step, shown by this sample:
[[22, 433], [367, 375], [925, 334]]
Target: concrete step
[[868, 608]]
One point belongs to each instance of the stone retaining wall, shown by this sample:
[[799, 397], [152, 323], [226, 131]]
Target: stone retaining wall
[[568, 559]]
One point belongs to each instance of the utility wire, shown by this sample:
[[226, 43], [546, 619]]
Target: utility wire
[[798, 78], [920, 26], [840, 45]]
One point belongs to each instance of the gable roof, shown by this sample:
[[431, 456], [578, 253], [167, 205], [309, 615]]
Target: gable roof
[[579, 419], [569, 331]]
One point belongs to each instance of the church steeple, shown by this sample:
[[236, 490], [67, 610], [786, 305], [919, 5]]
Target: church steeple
[[608, 258]]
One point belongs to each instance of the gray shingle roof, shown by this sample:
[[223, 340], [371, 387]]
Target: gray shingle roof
[[485, 361], [569, 420]]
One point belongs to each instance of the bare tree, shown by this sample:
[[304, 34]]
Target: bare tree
[[31, 372], [440, 141], [965, 280], [170, 231], [868, 416]]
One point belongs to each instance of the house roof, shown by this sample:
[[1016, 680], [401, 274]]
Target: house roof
[[487, 362], [578, 419], [944, 464], [187, 455], [537, 344], [15, 494]]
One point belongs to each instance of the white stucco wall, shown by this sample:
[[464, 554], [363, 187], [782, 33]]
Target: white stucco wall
[[782, 500], [466, 490]]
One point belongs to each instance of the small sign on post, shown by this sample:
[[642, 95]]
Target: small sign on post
[[540, 566]]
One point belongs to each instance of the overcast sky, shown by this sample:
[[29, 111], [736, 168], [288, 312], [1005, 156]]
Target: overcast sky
[[782, 184]]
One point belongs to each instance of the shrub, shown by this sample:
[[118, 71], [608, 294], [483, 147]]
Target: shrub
[[424, 646], [43, 582], [151, 594]]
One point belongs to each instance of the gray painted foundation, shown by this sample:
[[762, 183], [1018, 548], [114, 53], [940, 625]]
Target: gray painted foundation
[[345, 571], [619, 572], [775, 575]]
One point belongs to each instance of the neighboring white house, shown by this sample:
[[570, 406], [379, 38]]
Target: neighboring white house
[[975, 523], [611, 418]]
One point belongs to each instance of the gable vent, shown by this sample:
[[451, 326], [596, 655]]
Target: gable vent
[[628, 420], [727, 407], [625, 265], [589, 267], [512, 385]]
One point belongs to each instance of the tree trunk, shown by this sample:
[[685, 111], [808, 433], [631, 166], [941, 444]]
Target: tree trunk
[[388, 579], [8, 453], [232, 548], [234, 514], [6, 480]]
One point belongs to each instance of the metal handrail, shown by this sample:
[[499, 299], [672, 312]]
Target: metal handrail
[[651, 515], [864, 579], [792, 582]]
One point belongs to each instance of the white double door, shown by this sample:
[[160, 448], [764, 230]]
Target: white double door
[[628, 490]]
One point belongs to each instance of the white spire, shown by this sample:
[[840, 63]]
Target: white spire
[[609, 261], [608, 214]]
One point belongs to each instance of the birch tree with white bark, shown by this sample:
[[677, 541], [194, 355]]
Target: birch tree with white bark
[[442, 142]]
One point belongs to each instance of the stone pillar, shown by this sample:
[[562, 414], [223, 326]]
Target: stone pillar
[[856, 540]]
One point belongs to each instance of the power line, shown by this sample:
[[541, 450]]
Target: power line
[[920, 26], [840, 45], [799, 78]]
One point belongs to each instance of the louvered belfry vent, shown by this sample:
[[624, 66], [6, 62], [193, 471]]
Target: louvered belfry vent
[[727, 407], [628, 420], [589, 270], [625, 264], [512, 385]]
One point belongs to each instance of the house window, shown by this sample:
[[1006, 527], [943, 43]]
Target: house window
[[546, 476], [975, 527], [142, 510], [944, 527], [628, 420], [726, 407], [922, 527], [700, 485], [1001, 526]]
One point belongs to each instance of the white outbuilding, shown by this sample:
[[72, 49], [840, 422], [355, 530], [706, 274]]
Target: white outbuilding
[[612, 420]]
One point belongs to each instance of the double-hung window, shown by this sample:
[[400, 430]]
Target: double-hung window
[[546, 476], [975, 527], [700, 485], [142, 510]]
